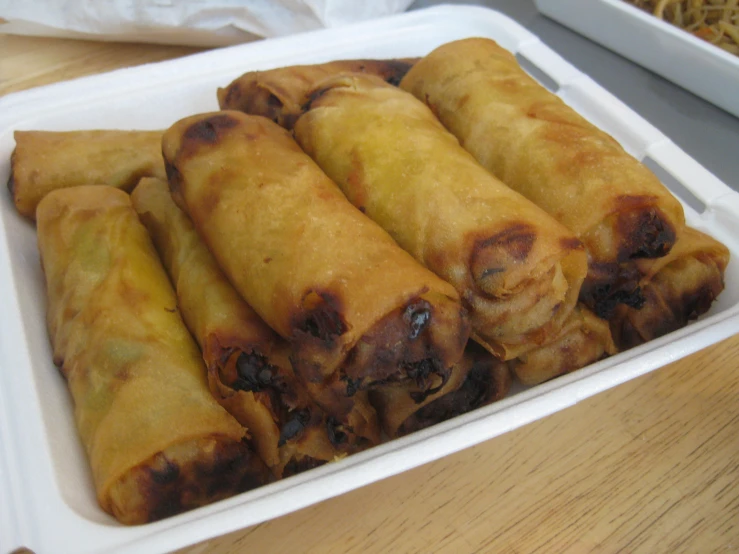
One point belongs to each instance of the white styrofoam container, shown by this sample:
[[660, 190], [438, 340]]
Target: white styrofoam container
[[47, 501], [698, 66]]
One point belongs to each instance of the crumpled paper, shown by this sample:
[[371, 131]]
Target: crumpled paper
[[186, 22]]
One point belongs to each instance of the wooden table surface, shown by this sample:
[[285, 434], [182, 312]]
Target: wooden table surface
[[650, 466]]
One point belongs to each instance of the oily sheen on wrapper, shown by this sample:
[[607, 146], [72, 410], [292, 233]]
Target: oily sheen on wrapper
[[281, 93], [44, 161], [157, 441], [517, 270], [248, 368], [358, 311], [542, 148], [678, 287]]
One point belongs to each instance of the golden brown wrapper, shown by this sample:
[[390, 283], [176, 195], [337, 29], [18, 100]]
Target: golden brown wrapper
[[44, 161], [249, 372], [584, 339], [157, 441], [517, 270], [677, 288], [542, 148], [357, 309], [478, 379], [281, 93]]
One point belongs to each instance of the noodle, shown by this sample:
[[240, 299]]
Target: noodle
[[715, 21]]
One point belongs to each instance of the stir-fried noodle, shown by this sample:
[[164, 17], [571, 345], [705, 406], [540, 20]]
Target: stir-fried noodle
[[715, 21]]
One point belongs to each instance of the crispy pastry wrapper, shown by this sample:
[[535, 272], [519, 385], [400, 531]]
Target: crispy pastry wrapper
[[477, 379], [542, 148], [44, 161], [357, 309], [157, 441], [249, 372], [584, 339], [517, 270], [280, 94], [678, 287]]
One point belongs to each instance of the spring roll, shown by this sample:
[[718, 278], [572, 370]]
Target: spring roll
[[517, 270], [248, 371], [479, 379], [357, 310], [584, 339], [157, 441], [678, 288], [281, 93], [44, 161], [542, 148]]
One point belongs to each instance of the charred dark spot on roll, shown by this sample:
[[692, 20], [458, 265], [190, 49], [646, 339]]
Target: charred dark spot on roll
[[11, 182], [482, 385], [305, 463], [167, 489], [167, 474], [352, 385], [609, 285], [336, 432], [424, 373], [232, 97], [174, 177], [255, 373], [571, 243], [494, 254], [314, 96], [646, 234], [417, 315], [517, 241], [395, 70], [670, 309], [293, 427], [209, 130], [321, 318]]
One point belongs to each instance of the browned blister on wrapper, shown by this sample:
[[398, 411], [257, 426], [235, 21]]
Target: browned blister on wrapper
[[357, 310], [157, 441]]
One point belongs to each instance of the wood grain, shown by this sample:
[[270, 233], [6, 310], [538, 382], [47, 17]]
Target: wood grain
[[651, 466]]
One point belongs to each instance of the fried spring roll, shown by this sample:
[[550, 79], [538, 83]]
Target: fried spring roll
[[542, 148], [584, 339], [281, 93], [157, 441], [248, 372], [44, 161], [517, 270], [479, 379], [678, 288], [357, 309]]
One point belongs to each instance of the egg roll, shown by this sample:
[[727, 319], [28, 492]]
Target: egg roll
[[44, 161], [357, 309], [249, 372], [542, 148], [678, 288], [157, 441], [516, 269], [280, 93], [584, 339], [479, 379]]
